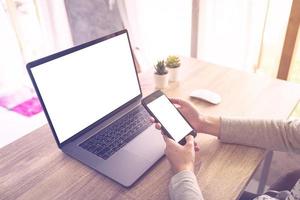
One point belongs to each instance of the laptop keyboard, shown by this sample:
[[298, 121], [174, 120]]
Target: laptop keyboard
[[113, 137]]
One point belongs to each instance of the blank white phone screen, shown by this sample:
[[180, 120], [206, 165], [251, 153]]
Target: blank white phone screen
[[170, 118]]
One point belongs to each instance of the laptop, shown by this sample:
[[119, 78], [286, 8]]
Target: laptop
[[91, 97]]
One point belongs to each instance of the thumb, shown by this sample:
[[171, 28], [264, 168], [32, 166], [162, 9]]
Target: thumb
[[169, 141], [190, 141]]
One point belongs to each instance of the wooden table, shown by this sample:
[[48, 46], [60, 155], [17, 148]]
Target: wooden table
[[34, 168]]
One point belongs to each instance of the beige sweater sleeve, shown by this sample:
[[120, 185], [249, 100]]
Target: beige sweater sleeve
[[276, 135], [184, 186]]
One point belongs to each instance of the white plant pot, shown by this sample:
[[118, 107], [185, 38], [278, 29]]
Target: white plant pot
[[161, 81], [174, 74]]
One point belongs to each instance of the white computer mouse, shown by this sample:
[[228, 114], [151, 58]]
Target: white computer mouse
[[206, 95]]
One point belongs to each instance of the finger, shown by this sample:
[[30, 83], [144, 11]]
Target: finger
[[176, 102], [166, 139], [152, 120], [158, 126], [189, 141], [170, 142], [196, 147], [179, 101]]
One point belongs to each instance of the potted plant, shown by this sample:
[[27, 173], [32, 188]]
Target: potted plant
[[160, 75], [173, 64]]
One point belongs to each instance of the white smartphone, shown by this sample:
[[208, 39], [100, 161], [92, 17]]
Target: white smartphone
[[173, 123]]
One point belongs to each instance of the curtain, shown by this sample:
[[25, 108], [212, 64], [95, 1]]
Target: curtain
[[11, 61], [233, 33], [29, 30], [157, 28], [230, 32]]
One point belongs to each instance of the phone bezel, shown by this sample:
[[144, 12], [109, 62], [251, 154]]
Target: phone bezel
[[148, 99]]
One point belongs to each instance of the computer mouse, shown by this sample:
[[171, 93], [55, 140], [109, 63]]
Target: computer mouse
[[206, 95]]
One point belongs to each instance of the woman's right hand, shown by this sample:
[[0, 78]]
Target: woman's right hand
[[181, 157]]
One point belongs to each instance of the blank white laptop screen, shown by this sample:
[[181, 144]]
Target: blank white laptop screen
[[80, 88]]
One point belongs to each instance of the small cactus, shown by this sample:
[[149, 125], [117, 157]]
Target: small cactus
[[173, 62], [160, 67]]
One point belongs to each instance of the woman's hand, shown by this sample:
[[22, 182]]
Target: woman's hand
[[158, 126], [183, 157], [180, 157], [201, 123], [189, 112]]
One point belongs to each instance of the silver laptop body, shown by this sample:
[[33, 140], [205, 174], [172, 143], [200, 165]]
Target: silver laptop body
[[87, 88]]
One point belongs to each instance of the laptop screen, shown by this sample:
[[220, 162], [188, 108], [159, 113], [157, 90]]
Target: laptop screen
[[81, 87]]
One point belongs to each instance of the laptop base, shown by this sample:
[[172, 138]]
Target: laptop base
[[129, 163]]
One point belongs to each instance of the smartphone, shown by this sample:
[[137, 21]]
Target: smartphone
[[173, 123]]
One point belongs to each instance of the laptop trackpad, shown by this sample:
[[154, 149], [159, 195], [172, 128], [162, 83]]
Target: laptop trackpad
[[149, 145], [136, 157]]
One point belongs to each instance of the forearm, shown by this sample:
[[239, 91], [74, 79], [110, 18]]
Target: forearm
[[269, 134], [277, 135]]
